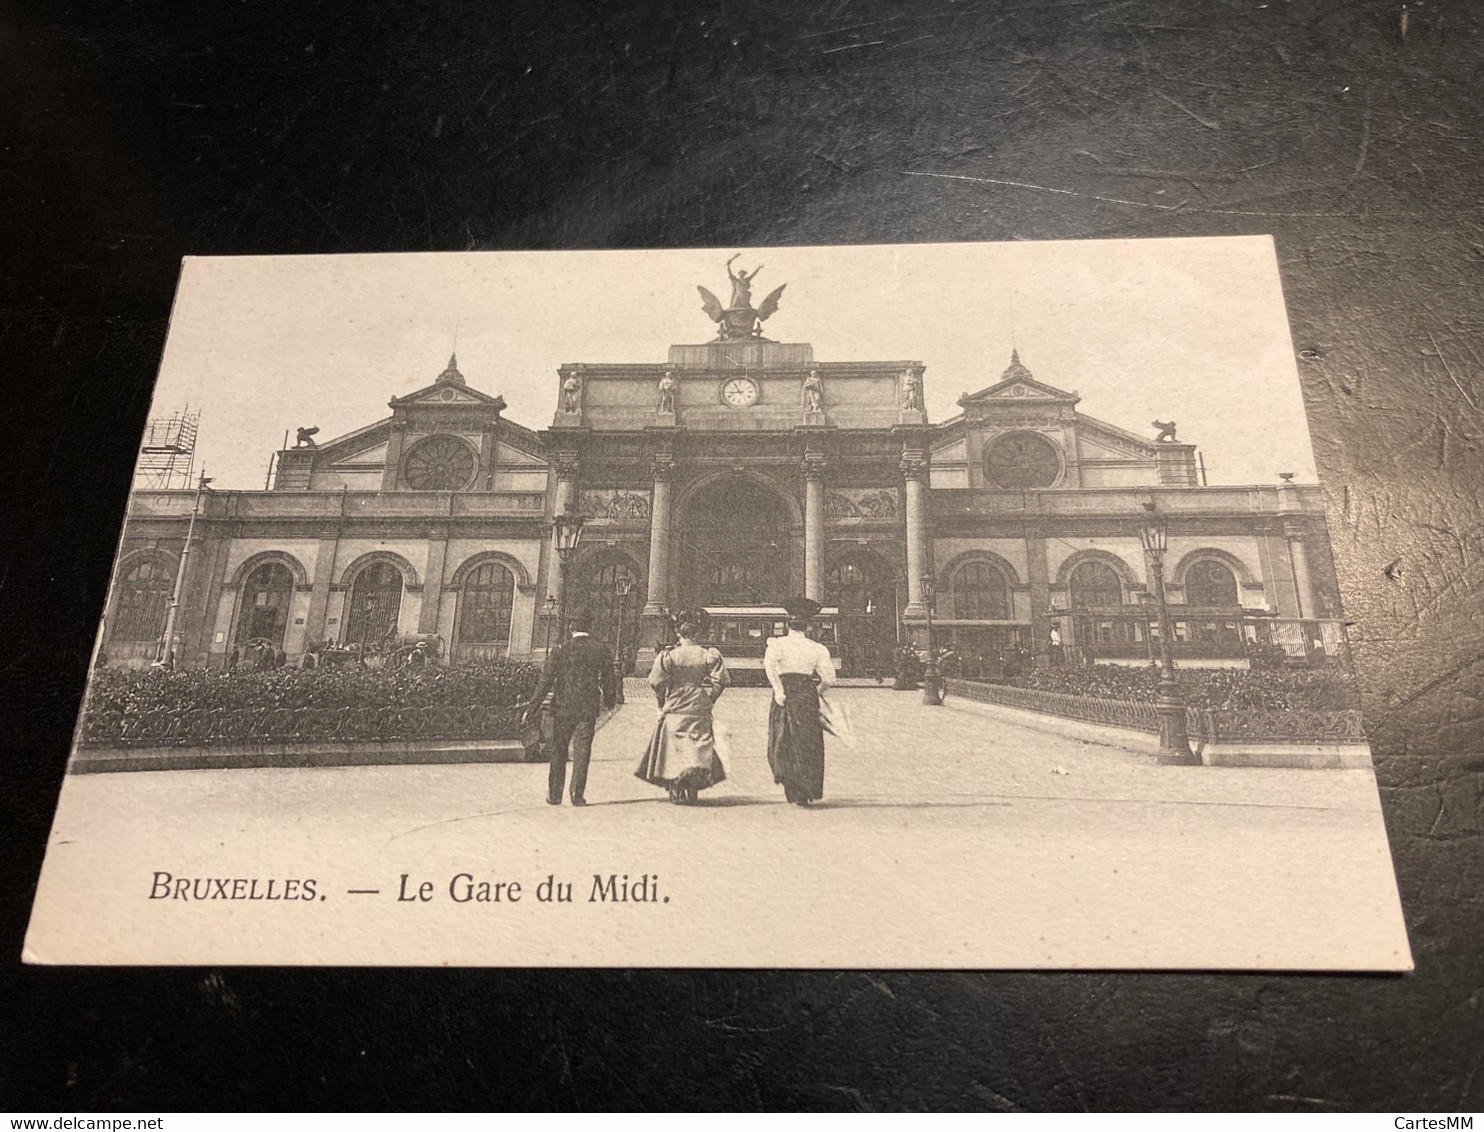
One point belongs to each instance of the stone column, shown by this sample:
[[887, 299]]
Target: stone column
[[662, 467], [319, 593], [566, 500], [427, 615], [915, 472], [1298, 555], [813, 468], [1039, 576]]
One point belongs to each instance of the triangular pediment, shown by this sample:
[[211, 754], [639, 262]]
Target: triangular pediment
[[448, 393], [1017, 385], [1020, 389]]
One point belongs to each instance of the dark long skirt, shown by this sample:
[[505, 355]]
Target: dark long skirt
[[796, 740]]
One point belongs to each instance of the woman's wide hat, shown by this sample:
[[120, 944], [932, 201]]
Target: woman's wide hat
[[697, 617], [802, 608]]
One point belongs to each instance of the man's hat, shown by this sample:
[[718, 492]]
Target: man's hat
[[802, 608], [580, 622]]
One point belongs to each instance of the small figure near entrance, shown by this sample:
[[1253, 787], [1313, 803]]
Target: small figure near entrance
[[667, 393], [580, 674], [813, 393], [798, 670], [687, 679]]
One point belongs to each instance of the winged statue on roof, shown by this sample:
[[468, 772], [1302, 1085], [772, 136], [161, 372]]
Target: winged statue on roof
[[739, 319]]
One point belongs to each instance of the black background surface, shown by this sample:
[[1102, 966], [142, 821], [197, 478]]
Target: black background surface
[[135, 133]]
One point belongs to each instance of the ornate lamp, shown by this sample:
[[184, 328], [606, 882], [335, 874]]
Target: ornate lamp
[[568, 529], [567, 533], [932, 683], [1174, 743]]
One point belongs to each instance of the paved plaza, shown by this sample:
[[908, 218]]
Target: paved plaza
[[946, 838]]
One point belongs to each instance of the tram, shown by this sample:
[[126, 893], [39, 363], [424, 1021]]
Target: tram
[[741, 632]]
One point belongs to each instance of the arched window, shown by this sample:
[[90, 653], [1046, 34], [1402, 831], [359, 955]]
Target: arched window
[[1095, 585], [266, 595], [979, 593], [488, 597], [1209, 582], [143, 602], [375, 601]]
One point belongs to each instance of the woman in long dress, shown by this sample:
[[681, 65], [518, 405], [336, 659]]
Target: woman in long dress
[[798, 669], [687, 679]]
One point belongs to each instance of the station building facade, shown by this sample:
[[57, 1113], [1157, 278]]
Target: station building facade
[[731, 475]]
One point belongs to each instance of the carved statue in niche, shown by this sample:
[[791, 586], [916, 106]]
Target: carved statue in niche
[[813, 393], [667, 392], [911, 390], [571, 394]]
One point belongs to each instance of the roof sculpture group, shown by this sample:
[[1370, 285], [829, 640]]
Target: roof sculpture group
[[739, 319]]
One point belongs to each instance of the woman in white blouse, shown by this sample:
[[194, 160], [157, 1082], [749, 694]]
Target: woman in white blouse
[[798, 670]]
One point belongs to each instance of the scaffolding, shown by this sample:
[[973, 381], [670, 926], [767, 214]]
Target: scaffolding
[[167, 455]]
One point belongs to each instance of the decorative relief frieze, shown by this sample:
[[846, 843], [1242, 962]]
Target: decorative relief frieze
[[613, 503], [860, 503]]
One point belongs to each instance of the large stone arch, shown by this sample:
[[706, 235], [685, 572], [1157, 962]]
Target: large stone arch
[[128, 561], [789, 499], [738, 541], [409, 573], [1120, 567], [1002, 564], [283, 557], [480, 558], [1239, 569]]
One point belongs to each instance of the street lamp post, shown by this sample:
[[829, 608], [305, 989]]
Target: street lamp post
[[549, 605], [1174, 743], [166, 650], [932, 682], [622, 586], [568, 530]]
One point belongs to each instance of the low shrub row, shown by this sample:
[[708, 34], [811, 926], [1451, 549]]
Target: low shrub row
[[1222, 689], [292, 704]]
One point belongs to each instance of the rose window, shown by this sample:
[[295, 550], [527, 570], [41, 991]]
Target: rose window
[[440, 463], [1022, 461]]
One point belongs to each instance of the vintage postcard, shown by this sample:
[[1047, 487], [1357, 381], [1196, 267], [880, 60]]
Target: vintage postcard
[[930, 606]]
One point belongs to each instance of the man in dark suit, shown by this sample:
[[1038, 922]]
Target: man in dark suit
[[580, 673]]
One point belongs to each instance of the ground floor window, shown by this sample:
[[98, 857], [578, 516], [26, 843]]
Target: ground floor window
[[488, 600], [266, 595], [375, 601], [143, 602]]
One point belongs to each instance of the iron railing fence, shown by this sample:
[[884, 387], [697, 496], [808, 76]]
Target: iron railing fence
[[1211, 725]]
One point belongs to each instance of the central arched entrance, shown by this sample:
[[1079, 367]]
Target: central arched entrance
[[736, 545], [862, 586]]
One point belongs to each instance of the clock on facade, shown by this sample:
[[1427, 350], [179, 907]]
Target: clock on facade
[[1021, 461], [739, 392], [439, 463]]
